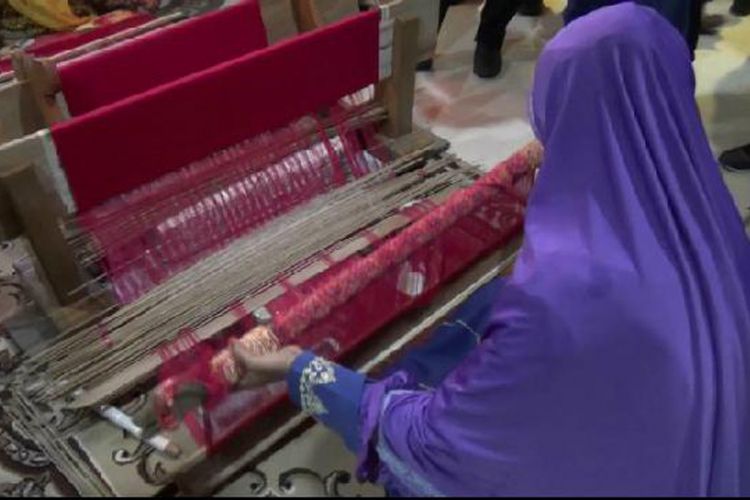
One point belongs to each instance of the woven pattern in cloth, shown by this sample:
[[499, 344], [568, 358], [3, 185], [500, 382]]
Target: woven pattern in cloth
[[368, 291]]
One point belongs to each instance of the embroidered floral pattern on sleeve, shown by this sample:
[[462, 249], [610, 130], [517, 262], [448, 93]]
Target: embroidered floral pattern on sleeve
[[318, 372]]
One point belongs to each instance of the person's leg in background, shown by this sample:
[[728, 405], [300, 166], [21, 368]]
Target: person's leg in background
[[444, 6], [740, 8], [710, 23], [694, 24], [531, 8], [737, 159], [496, 14], [426, 65], [685, 15]]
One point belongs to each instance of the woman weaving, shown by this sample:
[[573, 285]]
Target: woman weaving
[[616, 359]]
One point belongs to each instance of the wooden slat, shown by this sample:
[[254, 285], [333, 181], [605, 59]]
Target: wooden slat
[[397, 92], [14, 153], [39, 217], [312, 14], [427, 11], [19, 114], [279, 19], [44, 82], [10, 226]]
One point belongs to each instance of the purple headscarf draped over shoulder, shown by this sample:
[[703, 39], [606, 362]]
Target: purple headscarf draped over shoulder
[[617, 361]]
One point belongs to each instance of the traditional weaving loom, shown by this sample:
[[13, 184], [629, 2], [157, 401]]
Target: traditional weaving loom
[[294, 205]]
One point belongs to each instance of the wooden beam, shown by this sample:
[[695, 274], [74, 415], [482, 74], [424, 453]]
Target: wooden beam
[[39, 216], [397, 92], [428, 13], [279, 19], [312, 14], [42, 76], [19, 113], [10, 226]]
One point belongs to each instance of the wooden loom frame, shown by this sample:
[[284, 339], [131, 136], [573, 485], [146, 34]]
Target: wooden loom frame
[[31, 214]]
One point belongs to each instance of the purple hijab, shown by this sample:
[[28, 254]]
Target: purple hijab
[[617, 361]]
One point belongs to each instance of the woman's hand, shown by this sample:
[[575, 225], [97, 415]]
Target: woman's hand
[[258, 371]]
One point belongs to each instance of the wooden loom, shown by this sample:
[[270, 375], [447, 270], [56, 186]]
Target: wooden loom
[[414, 191], [34, 102]]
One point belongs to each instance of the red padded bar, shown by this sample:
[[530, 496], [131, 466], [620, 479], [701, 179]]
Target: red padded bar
[[162, 56], [117, 148]]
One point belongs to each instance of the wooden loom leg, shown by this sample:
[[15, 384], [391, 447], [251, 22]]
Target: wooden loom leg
[[37, 214], [10, 227], [304, 15], [19, 113], [42, 77], [312, 14], [397, 92]]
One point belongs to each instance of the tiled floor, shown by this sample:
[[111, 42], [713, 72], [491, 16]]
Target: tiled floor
[[486, 120]]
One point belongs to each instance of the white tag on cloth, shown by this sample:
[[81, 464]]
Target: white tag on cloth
[[159, 442], [411, 282]]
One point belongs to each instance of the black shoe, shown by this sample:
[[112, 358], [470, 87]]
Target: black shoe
[[425, 65], [488, 61], [740, 8], [532, 8], [710, 24], [737, 159]]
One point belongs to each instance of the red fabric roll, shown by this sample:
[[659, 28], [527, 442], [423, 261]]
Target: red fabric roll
[[162, 56], [114, 149]]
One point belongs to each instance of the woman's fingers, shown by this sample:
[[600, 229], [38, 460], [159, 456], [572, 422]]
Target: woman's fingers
[[243, 356], [253, 374], [259, 370]]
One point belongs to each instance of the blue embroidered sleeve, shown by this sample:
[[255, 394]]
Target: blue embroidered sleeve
[[328, 392]]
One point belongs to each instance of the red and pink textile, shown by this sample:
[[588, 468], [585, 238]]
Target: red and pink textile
[[369, 291], [122, 146], [162, 56]]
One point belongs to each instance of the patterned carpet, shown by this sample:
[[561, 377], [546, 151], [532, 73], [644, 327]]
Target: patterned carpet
[[24, 470]]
